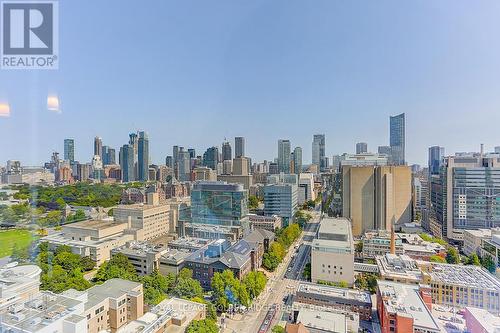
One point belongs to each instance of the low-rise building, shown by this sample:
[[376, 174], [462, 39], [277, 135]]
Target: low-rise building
[[350, 300], [100, 308], [94, 238], [399, 268], [461, 286], [405, 308], [45, 312], [271, 223], [172, 315], [110, 305], [473, 240], [189, 243], [317, 321], [378, 243], [332, 252], [18, 283], [481, 321]]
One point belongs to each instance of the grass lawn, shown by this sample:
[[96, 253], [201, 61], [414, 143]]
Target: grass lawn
[[8, 238]]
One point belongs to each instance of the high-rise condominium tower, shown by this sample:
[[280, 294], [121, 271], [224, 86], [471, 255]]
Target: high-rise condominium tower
[[69, 150], [98, 146], [318, 151], [239, 146], [227, 154], [143, 156], [361, 147], [397, 139], [284, 156]]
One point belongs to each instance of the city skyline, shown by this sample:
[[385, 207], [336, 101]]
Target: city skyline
[[221, 72]]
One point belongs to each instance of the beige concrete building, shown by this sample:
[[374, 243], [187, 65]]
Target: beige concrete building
[[101, 308], [240, 173], [374, 197], [332, 252], [18, 283], [270, 223], [152, 218], [172, 315], [110, 305], [204, 173], [94, 238]]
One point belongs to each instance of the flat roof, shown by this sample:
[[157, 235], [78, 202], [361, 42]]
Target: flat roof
[[111, 288], [405, 300], [464, 275], [337, 292], [489, 321], [94, 224], [322, 320], [42, 311], [398, 265]]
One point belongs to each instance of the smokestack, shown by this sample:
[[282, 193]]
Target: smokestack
[[393, 239]]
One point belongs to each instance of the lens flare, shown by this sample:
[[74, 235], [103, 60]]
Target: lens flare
[[53, 103], [4, 110]]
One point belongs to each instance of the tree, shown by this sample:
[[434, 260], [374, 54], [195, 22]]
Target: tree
[[20, 254], [278, 329], [436, 258], [229, 290], [488, 263], [452, 256], [307, 272], [358, 247], [87, 264], [156, 286], [202, 326], [253, 202], [255, 282], [473, 260], [366, 281], [186, 286], [117, 267]]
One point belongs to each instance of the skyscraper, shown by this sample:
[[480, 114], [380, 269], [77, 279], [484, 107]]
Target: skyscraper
[[143, 156], [397, 139], [436, 159], [192, 153], [361, 147], [318, 151], [297, 159], [169, 161], [284, 156], [227, 154], [69, 150], [211, 158], [184, 164], [98, 146], [127, 163], [239, 146]]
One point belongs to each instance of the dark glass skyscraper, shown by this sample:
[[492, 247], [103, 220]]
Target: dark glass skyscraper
[[69, 150], [211, 158], [127, 163], [227, 153], [239, 146], [397, 139], [143, 156], [436, 158], [98, 146]]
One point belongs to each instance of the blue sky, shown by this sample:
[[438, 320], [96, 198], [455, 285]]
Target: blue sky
[[193, 72]]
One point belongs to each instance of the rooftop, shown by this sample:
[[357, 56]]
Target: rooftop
[[405, 300], [94, 224], [490, 322], [322, 320], [174, 308], [400, 266], [41, 311], [470, 275], [334, 292]]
